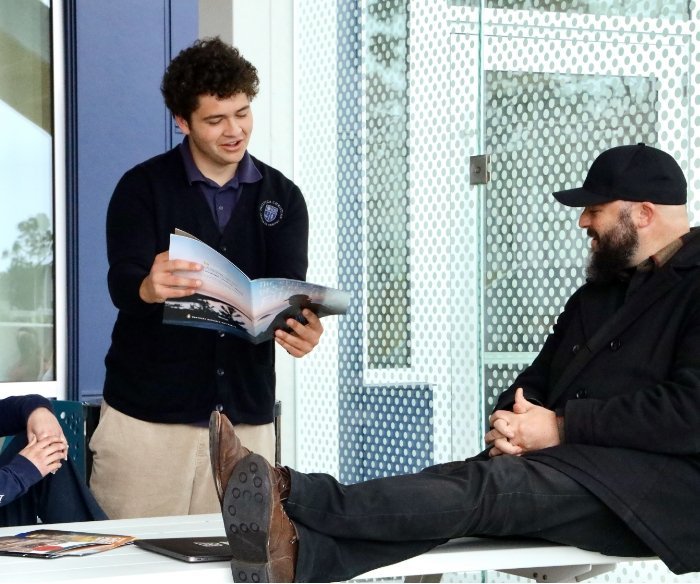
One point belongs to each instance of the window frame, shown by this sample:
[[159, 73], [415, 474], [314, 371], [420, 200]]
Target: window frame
[[55, 388]]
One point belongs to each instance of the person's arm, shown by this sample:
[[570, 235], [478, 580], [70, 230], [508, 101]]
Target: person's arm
[[290, 260], [46, 446], [15, 412], [531, 386], [534, 379], [16, 478], [141, 275], [288, 242], [657, 415], [658, 409], [132, 242], [662, 417], [34, 462]]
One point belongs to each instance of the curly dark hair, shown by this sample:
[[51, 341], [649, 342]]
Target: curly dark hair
[[208, 67]]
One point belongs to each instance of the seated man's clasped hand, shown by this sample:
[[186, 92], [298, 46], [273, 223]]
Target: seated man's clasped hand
[[528, 427]]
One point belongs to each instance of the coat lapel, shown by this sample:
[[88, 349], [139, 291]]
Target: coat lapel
[[599, 334]]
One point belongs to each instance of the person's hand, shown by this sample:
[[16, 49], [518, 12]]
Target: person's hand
[[301, 338], [45, 453], [498, 438], [162, 282], [528, 427], [43, 424]]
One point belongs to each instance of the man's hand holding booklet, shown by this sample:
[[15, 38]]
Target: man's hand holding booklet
[[229, 301]]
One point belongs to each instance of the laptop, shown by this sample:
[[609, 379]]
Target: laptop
[[189, 549]]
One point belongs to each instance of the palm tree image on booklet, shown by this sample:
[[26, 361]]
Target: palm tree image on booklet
[[228, 301]]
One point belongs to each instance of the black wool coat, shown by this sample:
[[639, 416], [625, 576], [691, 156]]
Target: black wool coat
[[628, 384]]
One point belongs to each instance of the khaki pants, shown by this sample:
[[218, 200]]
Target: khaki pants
[[144, 469]]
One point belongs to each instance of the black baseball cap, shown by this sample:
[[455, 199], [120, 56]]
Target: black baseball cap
[[630, 173]]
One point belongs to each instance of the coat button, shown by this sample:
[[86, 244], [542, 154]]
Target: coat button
[[575, 349], [219, 408], [224, 248], [220, 372], [615, 344], [581, 394]]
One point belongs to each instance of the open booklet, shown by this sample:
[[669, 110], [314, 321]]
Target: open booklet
[[56, 543], [229, 301]]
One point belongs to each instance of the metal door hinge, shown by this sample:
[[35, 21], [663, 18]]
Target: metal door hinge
[[479, 169]]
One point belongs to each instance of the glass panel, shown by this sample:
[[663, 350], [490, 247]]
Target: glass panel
[[26, 187], [497, 377], [544, 129], [648, 8], [388, 277]]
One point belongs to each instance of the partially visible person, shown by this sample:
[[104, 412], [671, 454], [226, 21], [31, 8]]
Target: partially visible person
[[151, 454], [594, 445], [38, 482]]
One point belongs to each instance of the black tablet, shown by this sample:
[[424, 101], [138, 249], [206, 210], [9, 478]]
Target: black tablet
[[189, 549]]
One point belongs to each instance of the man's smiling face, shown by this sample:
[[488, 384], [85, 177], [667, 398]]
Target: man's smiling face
[[219, 131]]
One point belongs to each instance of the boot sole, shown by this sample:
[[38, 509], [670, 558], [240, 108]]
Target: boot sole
[[246, 512]]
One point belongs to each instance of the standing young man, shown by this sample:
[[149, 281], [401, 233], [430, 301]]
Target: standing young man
[[151, 447]]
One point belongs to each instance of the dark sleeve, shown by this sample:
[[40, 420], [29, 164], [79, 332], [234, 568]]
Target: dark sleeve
[[131, 241], [663, 416], [535, 379], [288, 255], [19, 474], [16, 478], [15, 410]]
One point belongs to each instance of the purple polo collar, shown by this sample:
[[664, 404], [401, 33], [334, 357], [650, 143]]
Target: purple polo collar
[[246, 172]]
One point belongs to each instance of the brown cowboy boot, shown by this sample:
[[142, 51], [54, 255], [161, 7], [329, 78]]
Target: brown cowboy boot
[[225, 450], [262, 538]]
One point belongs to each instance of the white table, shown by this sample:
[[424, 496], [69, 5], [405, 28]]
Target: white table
[[130, 564], [125, 564]]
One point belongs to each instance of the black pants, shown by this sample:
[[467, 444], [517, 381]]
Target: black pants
[[345, 530], [58, 498]]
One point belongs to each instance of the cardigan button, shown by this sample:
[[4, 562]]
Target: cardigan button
[[581, 394], [615, 344]]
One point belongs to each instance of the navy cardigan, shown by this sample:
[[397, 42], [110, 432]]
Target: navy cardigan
[[174, 374]]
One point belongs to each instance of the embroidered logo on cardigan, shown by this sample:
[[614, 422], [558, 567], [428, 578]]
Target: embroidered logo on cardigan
[[271, 213]]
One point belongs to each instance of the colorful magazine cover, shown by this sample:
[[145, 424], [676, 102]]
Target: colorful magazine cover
[[52, 543], [229, 301]]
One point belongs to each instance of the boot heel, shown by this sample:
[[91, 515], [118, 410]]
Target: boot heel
[[247, 572]]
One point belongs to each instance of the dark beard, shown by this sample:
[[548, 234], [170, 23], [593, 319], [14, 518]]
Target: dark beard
[[615, 250]]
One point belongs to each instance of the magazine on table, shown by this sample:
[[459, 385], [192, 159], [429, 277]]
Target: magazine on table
[[230, 302], [56, 543]]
